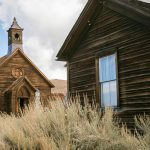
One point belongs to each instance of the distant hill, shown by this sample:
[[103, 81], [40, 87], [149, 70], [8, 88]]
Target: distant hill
[[60, 86]]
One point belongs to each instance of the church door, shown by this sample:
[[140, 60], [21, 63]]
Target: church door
[[23, 103], [23, 98]]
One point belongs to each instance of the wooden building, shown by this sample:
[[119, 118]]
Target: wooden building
[[108, 54], [20, 79]]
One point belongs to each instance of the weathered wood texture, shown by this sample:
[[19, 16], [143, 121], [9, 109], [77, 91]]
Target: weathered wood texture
[[110, 30], [6, 79]]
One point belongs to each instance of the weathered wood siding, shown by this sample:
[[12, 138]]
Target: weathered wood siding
[[6, 78], [111, 30]]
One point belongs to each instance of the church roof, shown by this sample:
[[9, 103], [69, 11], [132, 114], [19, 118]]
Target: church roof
[[3, 58], [134, 9], [15, 25], [6, 58]]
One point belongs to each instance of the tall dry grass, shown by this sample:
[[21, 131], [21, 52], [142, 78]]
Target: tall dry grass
[[69, 127]]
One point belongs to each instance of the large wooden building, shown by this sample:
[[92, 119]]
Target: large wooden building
[[108, 54], [20, 79]]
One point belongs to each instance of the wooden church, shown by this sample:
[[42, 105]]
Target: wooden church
[[108, 54], [20, 79]]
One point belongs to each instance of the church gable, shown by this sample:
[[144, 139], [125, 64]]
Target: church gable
[[21, 81], [19, 65]]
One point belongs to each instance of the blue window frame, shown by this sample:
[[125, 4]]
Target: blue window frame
[[108, 81]]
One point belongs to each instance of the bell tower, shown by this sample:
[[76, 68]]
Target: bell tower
[[14, 37]]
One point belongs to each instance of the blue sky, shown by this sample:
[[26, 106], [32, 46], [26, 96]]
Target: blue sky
[[3, 40]]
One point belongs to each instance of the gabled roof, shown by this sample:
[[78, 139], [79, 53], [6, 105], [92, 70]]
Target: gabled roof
[[134, 9], [8, 57], [18, 82]]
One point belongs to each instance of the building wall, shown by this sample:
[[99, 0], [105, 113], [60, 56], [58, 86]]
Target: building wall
[[6, 78], [110, 30]]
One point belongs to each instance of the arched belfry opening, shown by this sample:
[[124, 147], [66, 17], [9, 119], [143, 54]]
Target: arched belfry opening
[[23, 98]]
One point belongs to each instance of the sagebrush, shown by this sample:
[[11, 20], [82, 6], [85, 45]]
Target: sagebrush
[[69, 127]]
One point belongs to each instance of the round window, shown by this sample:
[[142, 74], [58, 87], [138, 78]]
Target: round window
[[17, 72]]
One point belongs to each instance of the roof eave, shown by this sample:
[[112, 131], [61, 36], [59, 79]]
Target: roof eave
[[129, 11], [80, 21], [125, 9]]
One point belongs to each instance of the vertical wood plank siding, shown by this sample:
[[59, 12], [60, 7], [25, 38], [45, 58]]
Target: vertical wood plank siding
[[114, 31]]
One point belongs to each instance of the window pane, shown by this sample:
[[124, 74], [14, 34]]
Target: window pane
[[112, 67], [113, 93], [107, 68], [108, 94], [105, 94], [104, 69]]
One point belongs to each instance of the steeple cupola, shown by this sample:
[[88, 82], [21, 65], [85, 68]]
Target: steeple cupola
[[14, 37]]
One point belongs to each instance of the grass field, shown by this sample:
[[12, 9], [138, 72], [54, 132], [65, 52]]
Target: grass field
[[70, 127]]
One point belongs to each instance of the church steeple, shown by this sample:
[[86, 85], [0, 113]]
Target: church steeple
[[14, 37]]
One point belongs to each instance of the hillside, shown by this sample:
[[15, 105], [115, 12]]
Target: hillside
[[60, 86]]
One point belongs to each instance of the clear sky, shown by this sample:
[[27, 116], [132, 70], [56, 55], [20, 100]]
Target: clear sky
[[46, 24]]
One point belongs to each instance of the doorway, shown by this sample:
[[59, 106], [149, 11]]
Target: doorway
[[23, 103], [23, 98]]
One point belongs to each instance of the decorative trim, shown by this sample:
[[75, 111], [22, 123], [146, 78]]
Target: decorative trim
[[17, 72]]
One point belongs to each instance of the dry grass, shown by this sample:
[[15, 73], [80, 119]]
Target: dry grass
[[70, 127]]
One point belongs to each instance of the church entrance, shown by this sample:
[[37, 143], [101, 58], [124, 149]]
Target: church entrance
[[19, 95], [23, 99], [23, 103]]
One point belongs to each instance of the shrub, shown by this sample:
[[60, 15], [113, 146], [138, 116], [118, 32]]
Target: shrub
[[67, 127]]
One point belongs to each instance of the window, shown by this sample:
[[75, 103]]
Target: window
[[107, 80]]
